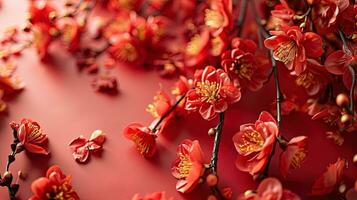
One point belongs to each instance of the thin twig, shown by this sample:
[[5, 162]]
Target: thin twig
[[167, 113], [242, 15], [217, 140]]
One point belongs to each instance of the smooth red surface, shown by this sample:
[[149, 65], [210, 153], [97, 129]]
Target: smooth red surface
[[61, 100]]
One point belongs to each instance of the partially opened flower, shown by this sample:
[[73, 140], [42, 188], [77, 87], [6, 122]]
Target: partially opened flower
[[81, 146], [330, 179], [293, 155], [188, 166], [55, 185], [70, 32], [152, 196], [282, 15], [160, 105], [326, 12], [293, 47], [212, 94], [270, 189], [31, 137], [254, 143], [143, 137]]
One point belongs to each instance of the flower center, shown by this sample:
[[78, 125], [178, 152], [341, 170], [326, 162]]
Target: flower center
[[286, 51], [298, 159], [209, 91], [68, 33], [193, 47], [184, 166], [242, 68], [35, 132], [126, 52], [252, 141], [61, 192], [142, 146], [213, 18], [305, 80]]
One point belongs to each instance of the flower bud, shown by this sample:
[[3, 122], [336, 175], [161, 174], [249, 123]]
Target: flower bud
[[346, 118], [211, 180], [355, 158], [52, 15], [211, 197], [342, 100], [7, 178], [212, 132]]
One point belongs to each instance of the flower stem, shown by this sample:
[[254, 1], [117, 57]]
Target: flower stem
[[242, 15], [352, 71], [167, 113], [279, 97], [10, 159], [214, 159], [217, 141]]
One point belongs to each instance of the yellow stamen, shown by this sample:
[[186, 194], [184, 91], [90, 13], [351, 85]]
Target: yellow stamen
[[252, 141], [213, 18], [208, 90]]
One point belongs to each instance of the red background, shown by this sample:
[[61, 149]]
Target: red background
[[61, 99]]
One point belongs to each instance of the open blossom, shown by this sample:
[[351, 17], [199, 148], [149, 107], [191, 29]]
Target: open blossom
[[254, 143], [143, 138], [55, 185], [293, 155], [330, 179], [197, 49], [31, 137], [81, 146], [40, 17], [270, 189], [293, 47], [153, 196], [246, 66], [219, 16], [314, 79], [126, 49], [188, 167], [212, 94], [348, 22], [8, 82]]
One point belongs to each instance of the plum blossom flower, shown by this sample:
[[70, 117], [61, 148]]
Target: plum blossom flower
[[126, 49], [105, 83], [143, 137], [153, 196], [270, 189], [282, 15], [31, 137], [314, 79], [292, 47], [219, 16], [55, 185], [160, 105], [81, 146], [326, 12], [246, 66], [42, 25], [254, 143], [212, 94], [294, 154], [330, 179], [188, 167]]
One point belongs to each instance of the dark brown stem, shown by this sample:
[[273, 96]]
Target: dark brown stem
[[217, 141], [242, 15], [215, 151], [167, 113]]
